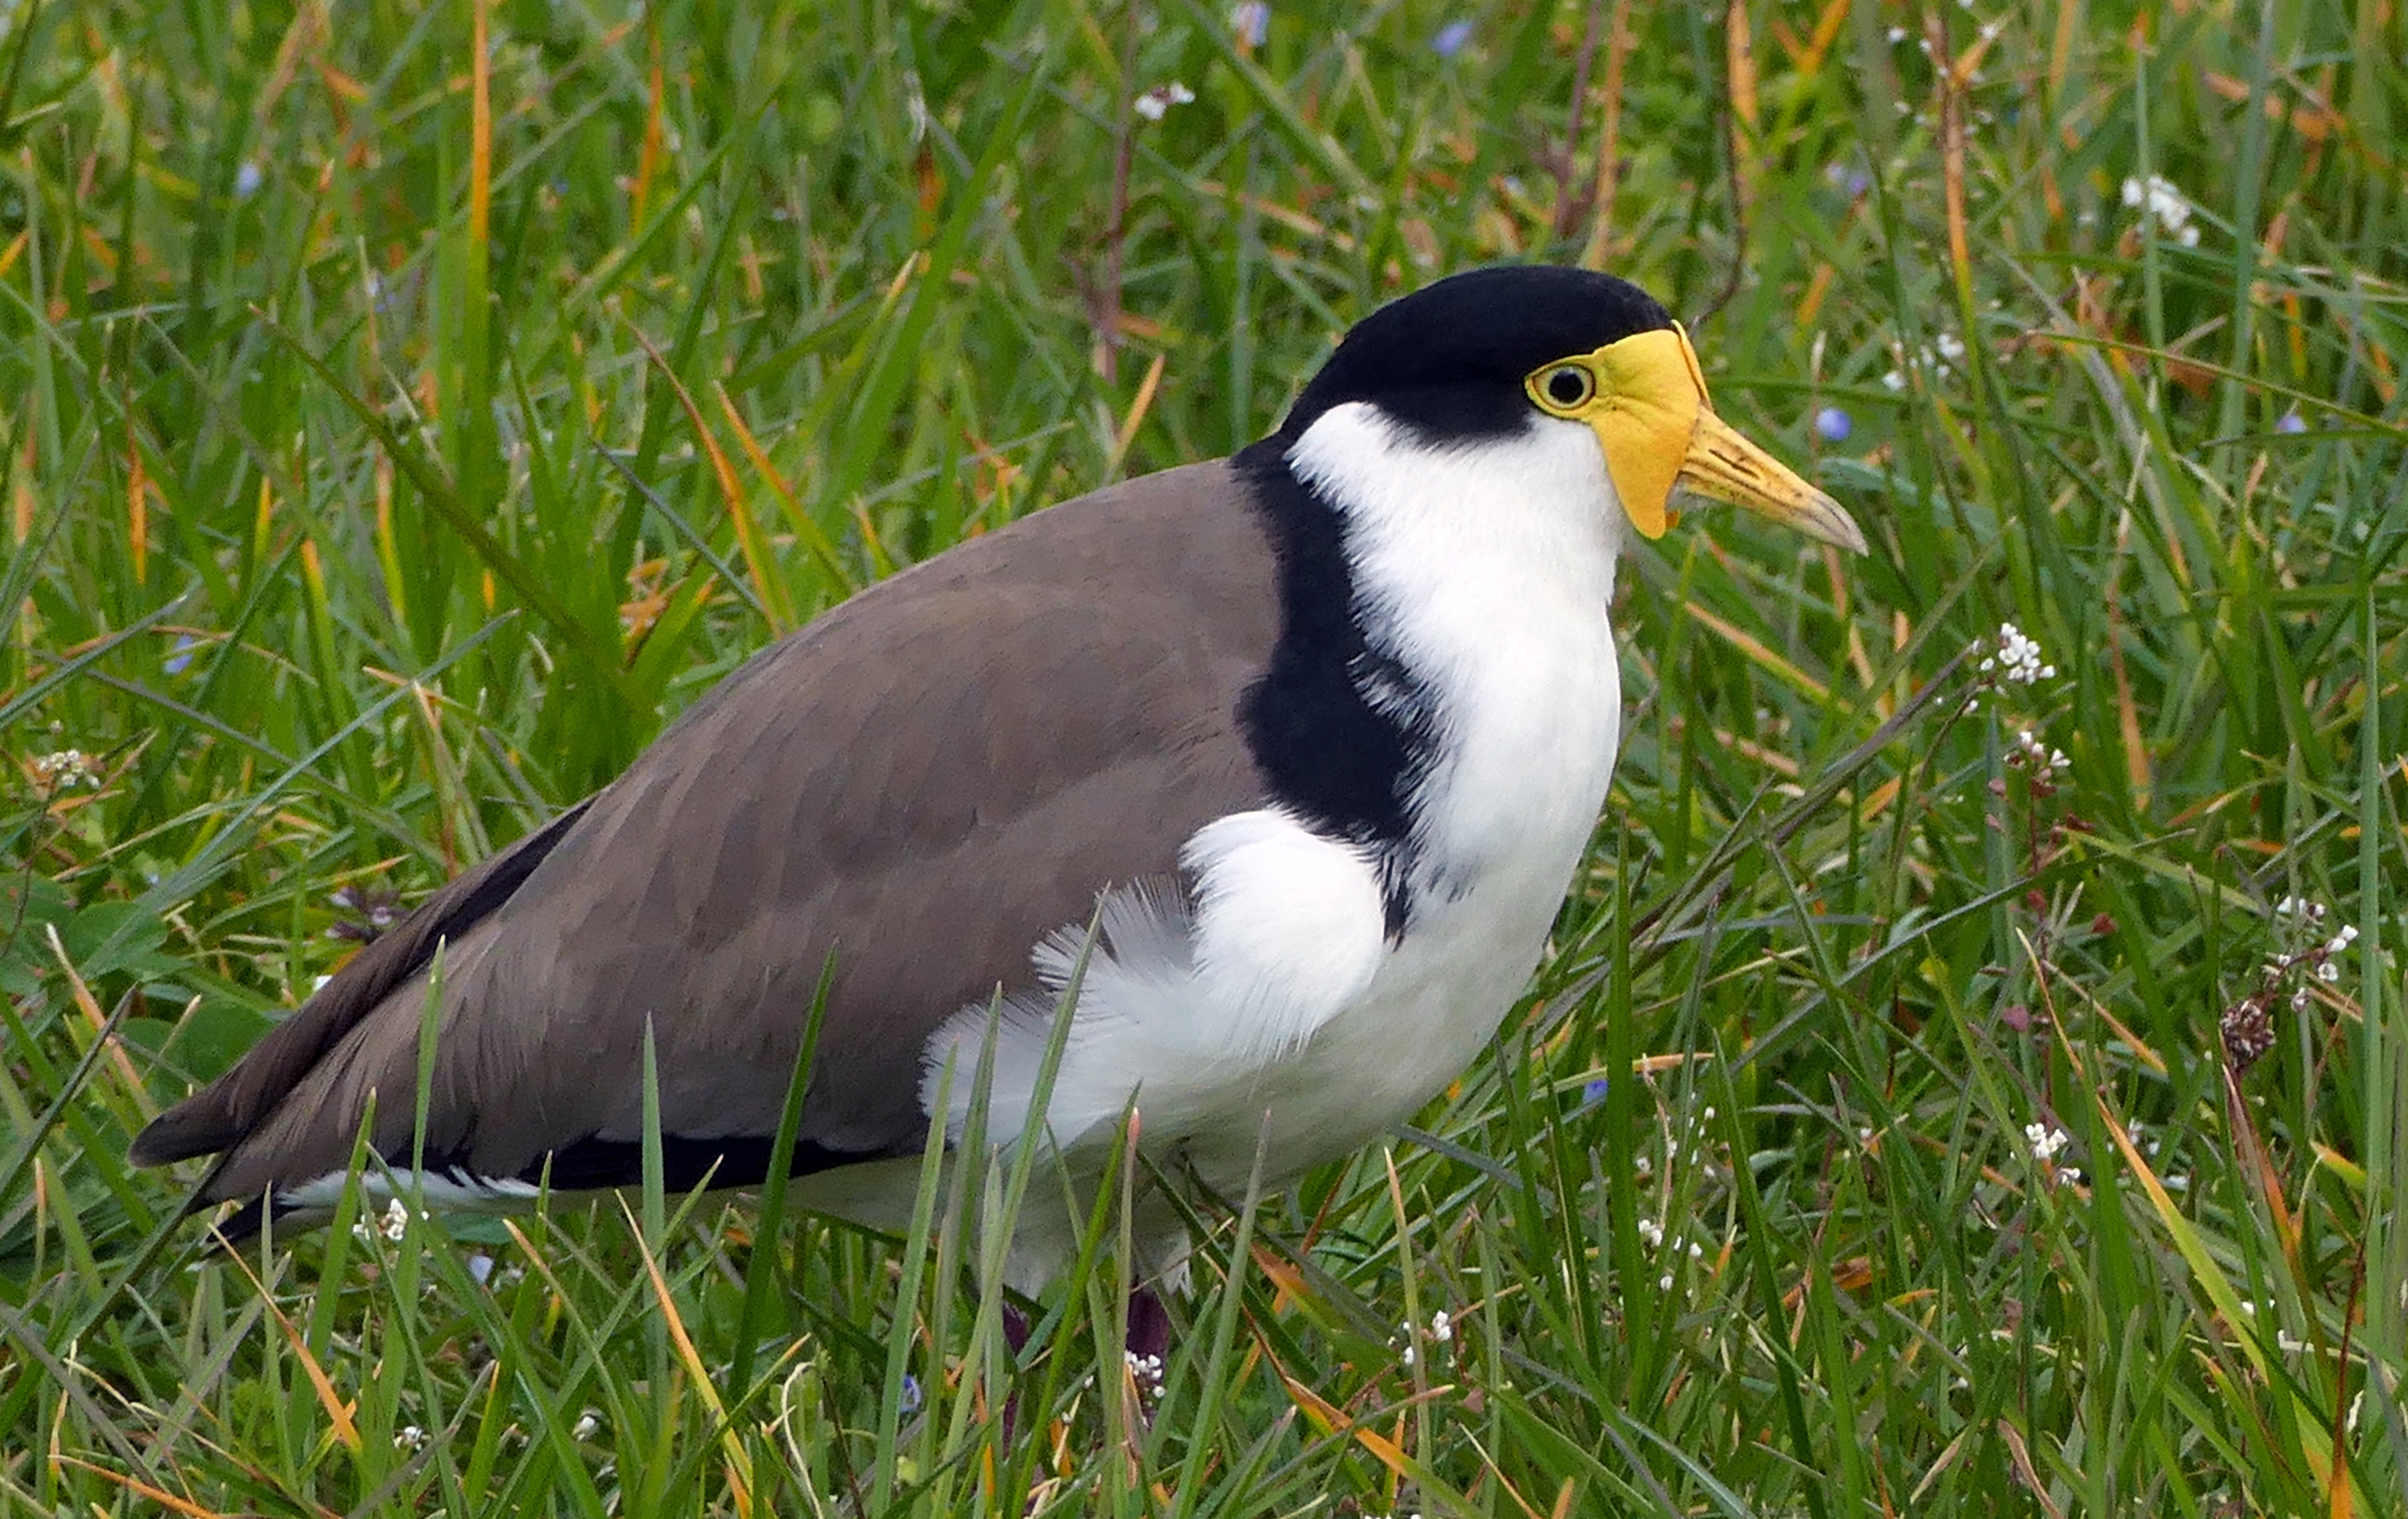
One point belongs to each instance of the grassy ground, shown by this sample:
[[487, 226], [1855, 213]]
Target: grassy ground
[[404, 411]]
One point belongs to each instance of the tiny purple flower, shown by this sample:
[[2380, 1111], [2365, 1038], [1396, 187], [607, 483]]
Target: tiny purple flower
[[1451, 38], [1250, 22], [180, 659], [1847, 179], [1833, 426], [247, 181], [1594, 1092], [2290, 421]]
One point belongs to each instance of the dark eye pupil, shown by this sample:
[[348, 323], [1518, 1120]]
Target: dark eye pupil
[[1567, 387]]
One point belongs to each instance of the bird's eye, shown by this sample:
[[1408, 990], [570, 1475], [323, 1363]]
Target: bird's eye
[[1567, 386]]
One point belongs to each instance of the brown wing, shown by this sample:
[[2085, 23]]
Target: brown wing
[[924, 782]]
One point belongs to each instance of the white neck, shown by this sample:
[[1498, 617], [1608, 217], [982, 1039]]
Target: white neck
[[1486, 570]]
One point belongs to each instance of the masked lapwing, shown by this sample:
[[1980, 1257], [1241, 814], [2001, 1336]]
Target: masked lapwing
[[1315, 737]]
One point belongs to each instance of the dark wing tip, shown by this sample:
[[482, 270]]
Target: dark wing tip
[[222, 1114], [196, 1126]]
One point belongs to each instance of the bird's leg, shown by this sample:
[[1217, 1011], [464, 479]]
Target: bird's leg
[[1016, 1329], [1149, 1324], [1147, 1346]]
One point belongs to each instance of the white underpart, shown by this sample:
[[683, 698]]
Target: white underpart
[[1485, 571], [450, 1191]]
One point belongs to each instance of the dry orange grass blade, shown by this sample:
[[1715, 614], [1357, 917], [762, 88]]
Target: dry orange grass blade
[[647, 165], [738, 1460], [156, 1495], [806, 527], [138, 506], [1619, 42], [481, 132], [759, 563], [338, 1412], [89, 1006], [1135, 418]]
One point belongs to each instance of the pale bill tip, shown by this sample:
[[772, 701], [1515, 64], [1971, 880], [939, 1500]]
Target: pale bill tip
[[1825, 519]]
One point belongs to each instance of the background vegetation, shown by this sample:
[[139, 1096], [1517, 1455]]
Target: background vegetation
[[405, 409]]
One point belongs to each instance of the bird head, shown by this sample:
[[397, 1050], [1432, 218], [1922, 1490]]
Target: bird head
[[1492, 352]]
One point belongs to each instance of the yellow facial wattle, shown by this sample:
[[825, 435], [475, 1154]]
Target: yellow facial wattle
[[1646, 399]]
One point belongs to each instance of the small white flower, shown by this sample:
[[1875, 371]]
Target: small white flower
[[1894, 380], [2327, 972], [396, 1220], [1155, 103], [1664, 1282], [588, 1424], [2159, 200], [2178, 1181], [2019, 657], [410, 1438], [63, 770], [1442, 1328], [1146, 1370], [1952, 347], [2046, 1140]]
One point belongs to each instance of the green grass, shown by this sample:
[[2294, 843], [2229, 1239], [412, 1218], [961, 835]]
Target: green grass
[[389, 445]]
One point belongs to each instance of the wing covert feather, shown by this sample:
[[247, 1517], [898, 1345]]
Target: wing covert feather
[[926, 781]]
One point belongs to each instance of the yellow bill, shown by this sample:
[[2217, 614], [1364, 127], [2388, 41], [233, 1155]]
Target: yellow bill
[[1646, 398]]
